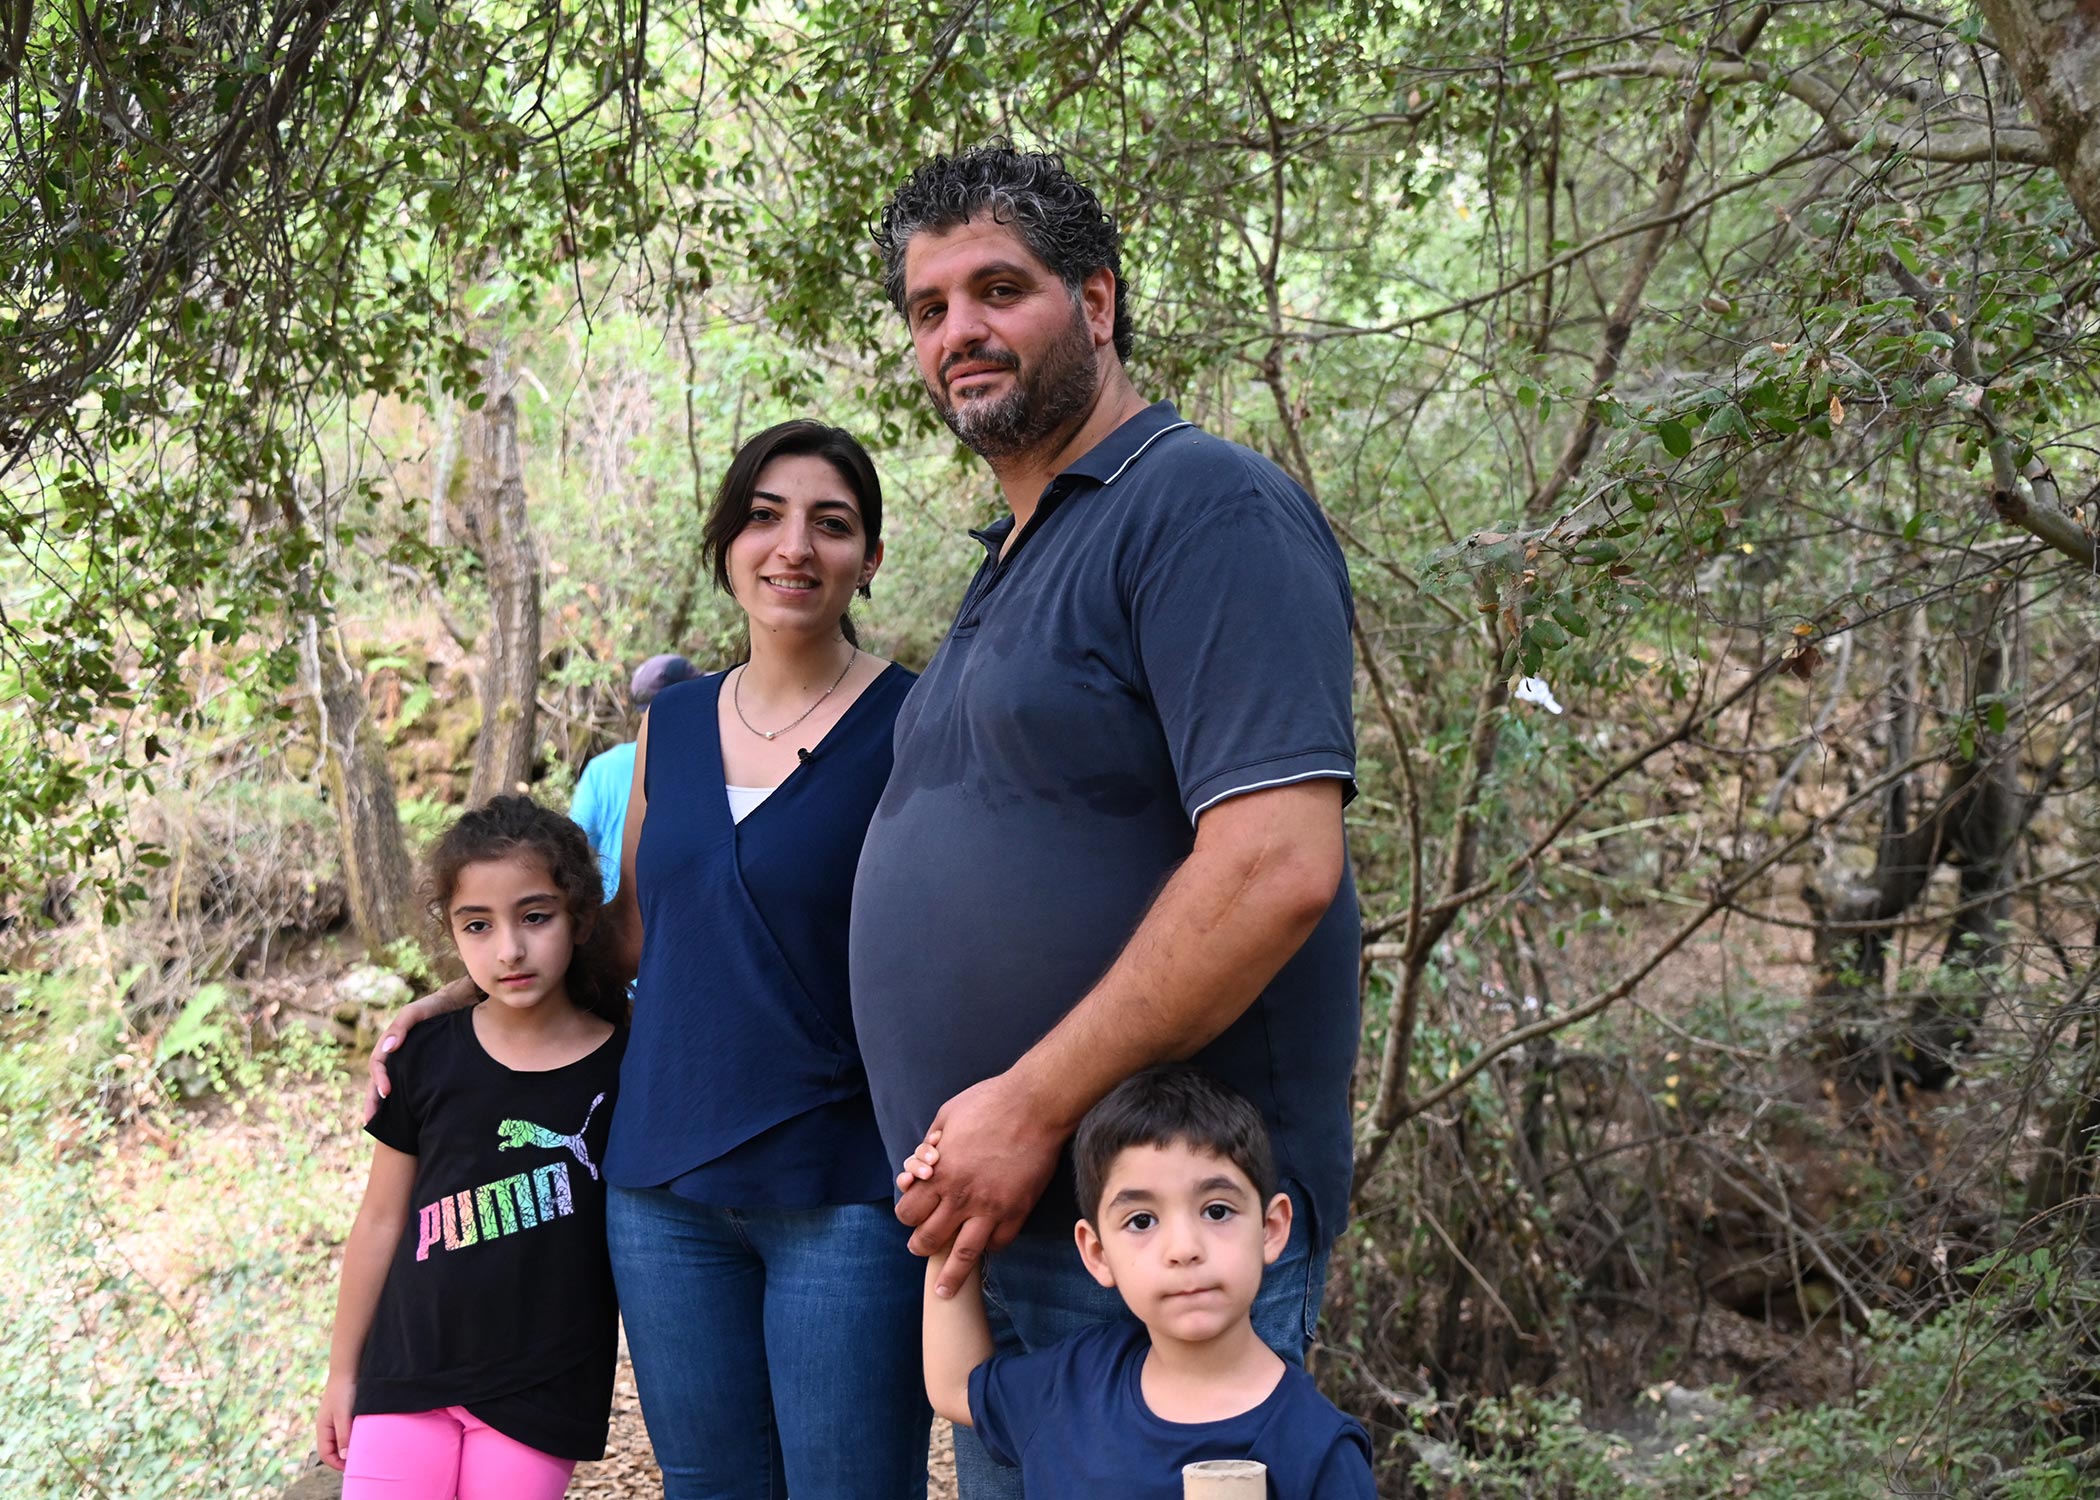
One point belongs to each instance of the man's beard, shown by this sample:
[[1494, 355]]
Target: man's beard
[[1041, 399]]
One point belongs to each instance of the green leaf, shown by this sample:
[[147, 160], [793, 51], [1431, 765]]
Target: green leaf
[[1676, 438]]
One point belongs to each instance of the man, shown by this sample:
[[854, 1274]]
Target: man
[[600, 804], [1113, 833]]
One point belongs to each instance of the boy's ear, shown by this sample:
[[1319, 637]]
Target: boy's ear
[[1275, 1228], [1090, 1253]]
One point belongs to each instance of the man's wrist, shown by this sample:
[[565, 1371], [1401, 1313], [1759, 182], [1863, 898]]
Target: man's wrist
[[1049, 1099]]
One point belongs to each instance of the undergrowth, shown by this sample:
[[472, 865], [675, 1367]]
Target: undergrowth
[[166, 1269], [1963, 1405]]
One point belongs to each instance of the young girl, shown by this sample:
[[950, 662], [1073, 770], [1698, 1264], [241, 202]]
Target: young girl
[[476, 1328]]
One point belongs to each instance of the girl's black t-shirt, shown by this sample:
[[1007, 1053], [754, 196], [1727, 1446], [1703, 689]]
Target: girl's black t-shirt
[[500, 1296]]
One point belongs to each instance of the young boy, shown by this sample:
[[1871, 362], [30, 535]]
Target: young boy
[[1181, 1215]]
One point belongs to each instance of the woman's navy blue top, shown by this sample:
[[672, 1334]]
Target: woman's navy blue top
[[742, 1085]]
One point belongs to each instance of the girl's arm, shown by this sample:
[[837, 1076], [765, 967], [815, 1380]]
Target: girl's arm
[[381, 1220], [958, 1340]]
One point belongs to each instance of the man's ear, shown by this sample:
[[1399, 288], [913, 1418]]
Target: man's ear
[[1275, 1228], [1097, 300], [1090, 1253]]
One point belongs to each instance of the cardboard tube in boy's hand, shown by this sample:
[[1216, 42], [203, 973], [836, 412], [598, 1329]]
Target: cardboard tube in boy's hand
[[1225, 1479]]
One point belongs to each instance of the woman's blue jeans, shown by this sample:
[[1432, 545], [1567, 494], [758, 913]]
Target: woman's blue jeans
[[776, 1350]]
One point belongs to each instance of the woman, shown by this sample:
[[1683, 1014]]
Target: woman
[[770, 1304]]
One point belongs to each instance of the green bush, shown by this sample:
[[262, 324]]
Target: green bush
[[164, 1271], [1956, 1406]]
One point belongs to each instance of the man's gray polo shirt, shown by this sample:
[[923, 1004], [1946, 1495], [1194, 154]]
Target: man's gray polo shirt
[[1171, 629]]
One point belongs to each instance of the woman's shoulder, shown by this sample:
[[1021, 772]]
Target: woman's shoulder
[[689, 693], [883, 696], [892, 678]]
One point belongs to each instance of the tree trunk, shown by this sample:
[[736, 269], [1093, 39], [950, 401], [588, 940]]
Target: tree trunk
[[503, 536], [444, 415], [1980, 837], [375, 857], [2054, 49], [1973, 825]]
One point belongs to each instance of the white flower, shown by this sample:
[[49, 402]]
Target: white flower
[[1534, 690]]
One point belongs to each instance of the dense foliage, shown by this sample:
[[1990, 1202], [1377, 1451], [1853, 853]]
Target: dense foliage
[[1722, 374]]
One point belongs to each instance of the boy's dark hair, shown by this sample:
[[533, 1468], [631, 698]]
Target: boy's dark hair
[[504, 827], [798, 438], [1056, 215], [1170, 1104]]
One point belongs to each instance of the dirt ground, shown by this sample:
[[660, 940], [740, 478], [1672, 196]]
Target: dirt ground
[[627, 1472]]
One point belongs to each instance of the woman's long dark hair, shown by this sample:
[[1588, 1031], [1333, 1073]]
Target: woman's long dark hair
[[506, 827], [731, 512]]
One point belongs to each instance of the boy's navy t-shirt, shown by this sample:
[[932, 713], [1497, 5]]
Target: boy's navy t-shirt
[[1072, 1418], [500, 1294]]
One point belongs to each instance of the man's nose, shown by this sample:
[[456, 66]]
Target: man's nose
[[962, 327]]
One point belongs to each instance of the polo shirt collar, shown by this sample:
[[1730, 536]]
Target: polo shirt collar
[[1106, 461], [1104, 464]]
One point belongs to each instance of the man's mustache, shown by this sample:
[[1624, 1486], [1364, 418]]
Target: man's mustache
[[1003, 358]]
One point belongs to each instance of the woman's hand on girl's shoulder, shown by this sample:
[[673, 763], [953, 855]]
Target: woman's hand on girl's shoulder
[[332, 1426], [453, 996]]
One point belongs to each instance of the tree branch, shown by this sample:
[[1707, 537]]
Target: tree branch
[[1918, 140], [2042, 516], [1619, 327]]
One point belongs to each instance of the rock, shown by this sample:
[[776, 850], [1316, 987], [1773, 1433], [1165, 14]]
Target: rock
[[368, 987], [1687, 1405], [316, 1482]]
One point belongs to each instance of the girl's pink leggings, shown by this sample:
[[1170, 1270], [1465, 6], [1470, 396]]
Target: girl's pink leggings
[[440, 1455]]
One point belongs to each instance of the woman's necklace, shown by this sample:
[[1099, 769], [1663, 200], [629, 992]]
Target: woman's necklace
[[736, 701]]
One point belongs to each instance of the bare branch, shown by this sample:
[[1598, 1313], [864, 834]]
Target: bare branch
[[1918, 140]]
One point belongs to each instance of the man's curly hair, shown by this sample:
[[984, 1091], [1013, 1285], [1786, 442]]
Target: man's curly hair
[[1056, 215]]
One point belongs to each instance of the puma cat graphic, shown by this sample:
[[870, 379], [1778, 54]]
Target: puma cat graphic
[[517, 1133]]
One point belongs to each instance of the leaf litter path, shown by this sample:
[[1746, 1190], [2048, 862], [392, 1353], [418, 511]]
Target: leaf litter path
[[628, 1470]]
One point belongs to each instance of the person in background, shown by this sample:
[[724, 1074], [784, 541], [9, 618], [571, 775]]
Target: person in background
[[600, 804]]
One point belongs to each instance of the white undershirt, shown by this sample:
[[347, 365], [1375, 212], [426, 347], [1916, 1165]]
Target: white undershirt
[[744, 800]]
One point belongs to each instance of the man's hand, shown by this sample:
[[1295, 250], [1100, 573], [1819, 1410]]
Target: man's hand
[[448, 997], [996, 1153]]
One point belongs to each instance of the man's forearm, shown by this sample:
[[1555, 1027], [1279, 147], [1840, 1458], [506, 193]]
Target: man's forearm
[[1221, 927]]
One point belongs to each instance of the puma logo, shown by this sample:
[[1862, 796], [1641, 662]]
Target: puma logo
[[519, 1133]]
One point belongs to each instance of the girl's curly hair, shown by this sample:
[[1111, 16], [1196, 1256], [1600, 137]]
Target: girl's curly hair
[[508, 827]]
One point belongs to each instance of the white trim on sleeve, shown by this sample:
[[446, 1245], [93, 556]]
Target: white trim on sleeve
[[1262, 786]]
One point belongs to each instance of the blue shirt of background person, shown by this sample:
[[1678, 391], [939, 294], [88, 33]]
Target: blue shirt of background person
[[600, 804]]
